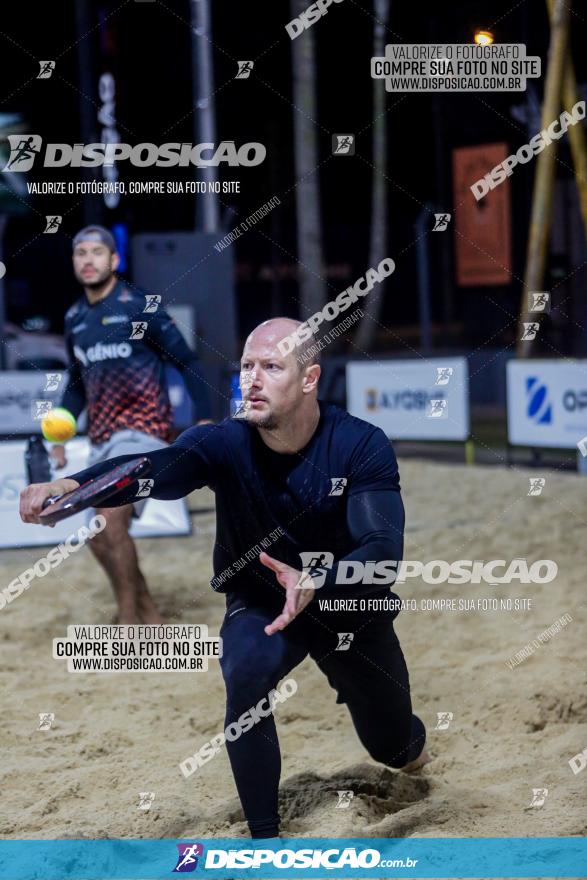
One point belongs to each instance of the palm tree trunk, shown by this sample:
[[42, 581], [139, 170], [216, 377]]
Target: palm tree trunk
[[372, 305], [312, 288]]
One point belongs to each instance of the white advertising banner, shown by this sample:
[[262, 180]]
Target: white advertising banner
[[19, 390], [158, 517], [547, 402], [411, 399]]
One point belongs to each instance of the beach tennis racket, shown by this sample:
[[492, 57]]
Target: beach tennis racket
[[92, 493]]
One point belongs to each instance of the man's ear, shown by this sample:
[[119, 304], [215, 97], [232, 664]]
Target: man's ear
[[114, 261], [311, 376]]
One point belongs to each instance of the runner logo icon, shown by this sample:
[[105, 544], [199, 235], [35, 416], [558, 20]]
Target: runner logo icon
[[187, 860], [24, 149]]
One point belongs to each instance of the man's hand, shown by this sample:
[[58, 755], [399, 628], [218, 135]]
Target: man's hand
[[58, 455], [299, 591], [32, 498]]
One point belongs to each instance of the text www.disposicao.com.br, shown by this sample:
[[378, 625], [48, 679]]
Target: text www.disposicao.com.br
[[144, 664]]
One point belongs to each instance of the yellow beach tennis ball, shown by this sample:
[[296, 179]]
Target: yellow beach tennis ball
[[58, 425]]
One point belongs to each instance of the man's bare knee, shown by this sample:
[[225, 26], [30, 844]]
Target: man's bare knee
[[116, 528]]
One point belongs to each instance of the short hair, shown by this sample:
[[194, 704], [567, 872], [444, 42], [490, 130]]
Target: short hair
[[95, 232]]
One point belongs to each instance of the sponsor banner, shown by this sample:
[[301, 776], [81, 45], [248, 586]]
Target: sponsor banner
[[503, 857], [482, 231], [19, 389], [411, 399], [547, 402], [158, 517]]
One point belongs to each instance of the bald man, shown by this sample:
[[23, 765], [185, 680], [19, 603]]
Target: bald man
[[296, 476]]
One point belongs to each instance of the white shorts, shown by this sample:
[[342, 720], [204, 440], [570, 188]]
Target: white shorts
[[128, 442]]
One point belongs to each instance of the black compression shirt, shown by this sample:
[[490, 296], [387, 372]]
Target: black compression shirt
[[117, 371], [338, 495]]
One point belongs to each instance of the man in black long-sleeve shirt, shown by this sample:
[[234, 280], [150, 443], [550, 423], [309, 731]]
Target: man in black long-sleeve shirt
[[295, 476], [118, 340]]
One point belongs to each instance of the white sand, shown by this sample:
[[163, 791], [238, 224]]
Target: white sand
[[512, 730]]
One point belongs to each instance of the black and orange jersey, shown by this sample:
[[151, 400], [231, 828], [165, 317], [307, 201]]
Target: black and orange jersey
[[117, 349]]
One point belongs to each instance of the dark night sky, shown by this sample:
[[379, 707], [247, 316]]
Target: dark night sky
[[147, 47]]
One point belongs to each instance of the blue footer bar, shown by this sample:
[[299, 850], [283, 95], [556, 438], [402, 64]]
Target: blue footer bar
[[230, 858]]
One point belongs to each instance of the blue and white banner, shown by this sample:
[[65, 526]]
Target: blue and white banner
[[505, 857], [419, 399], [547, 402]]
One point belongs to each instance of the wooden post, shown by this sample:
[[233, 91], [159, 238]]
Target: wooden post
[[576, 133], [545, 170]]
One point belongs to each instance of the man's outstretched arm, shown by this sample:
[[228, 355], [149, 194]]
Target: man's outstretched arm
[[176, 471], [375, 520]]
